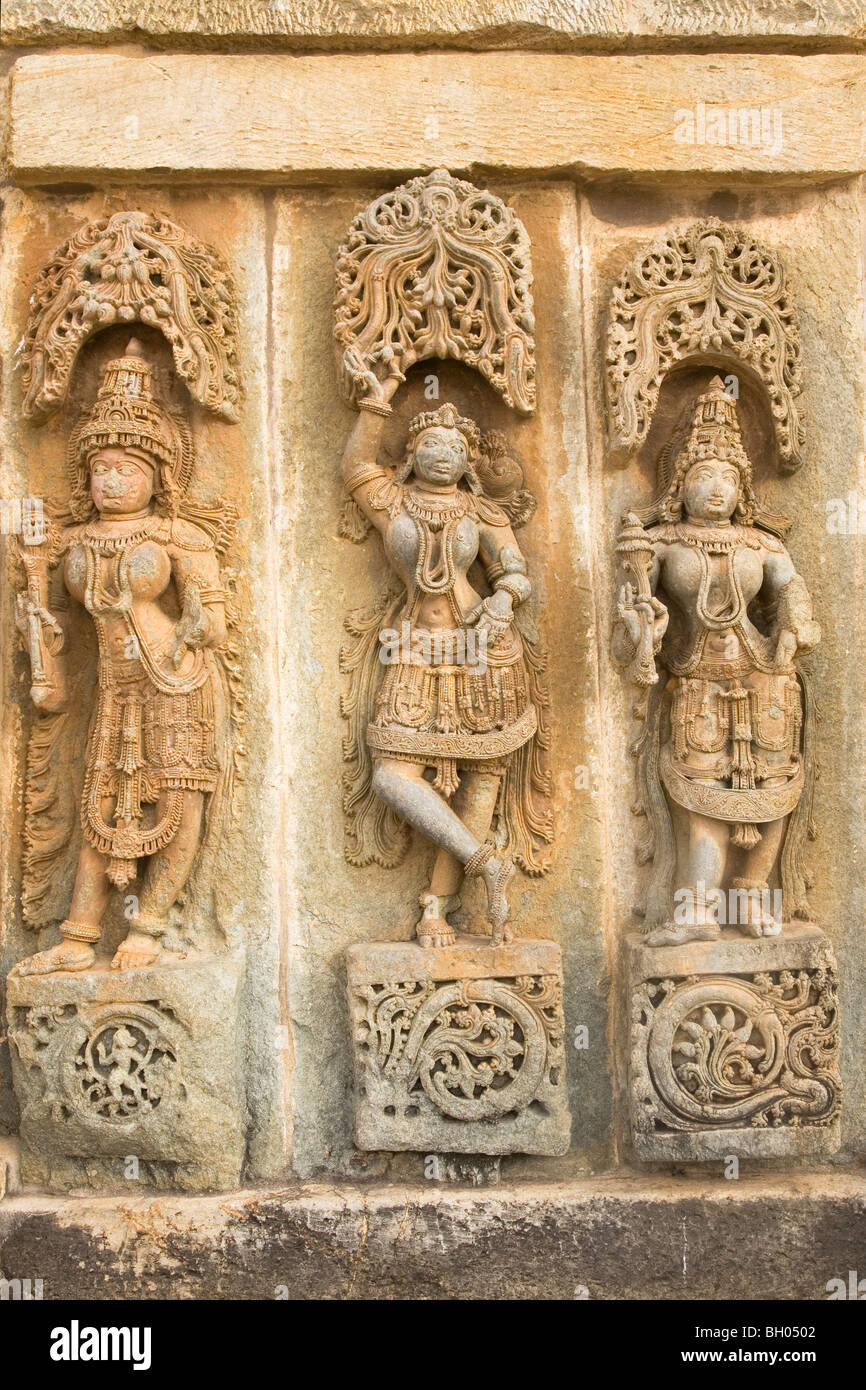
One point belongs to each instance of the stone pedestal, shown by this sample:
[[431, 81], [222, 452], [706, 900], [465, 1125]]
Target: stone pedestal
[[459, 1049], [132, 1077], [734, 1047]]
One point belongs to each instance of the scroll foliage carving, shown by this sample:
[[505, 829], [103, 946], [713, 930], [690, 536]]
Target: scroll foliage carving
[[471, 1049], [437, 268], [726, 1051], [712, 292], [133, 267]]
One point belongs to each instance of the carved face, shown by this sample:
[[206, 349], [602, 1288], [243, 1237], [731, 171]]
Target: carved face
[[711, 490], [122, 480], [440, 456]]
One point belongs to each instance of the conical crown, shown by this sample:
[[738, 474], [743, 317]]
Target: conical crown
[[127, 411], [715, 429]]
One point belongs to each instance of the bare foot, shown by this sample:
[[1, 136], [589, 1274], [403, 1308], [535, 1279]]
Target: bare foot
[[757, 922], [432, 928], [677, 934], [66, 955], [497, 874], [137, 950]]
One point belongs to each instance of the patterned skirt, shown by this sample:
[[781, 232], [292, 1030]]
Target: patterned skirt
[[446, 715]]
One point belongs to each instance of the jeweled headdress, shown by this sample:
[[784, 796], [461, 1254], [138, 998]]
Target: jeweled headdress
[[446, 417], [128, 411], [709, 429]]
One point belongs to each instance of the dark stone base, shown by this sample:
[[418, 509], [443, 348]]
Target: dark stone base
[[783, 1237]]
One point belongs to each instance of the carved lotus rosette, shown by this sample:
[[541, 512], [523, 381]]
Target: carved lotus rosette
[[133, 267], [437, 268], [733, 1052], [712, 294]]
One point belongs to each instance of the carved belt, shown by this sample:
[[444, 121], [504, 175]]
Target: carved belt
[[754, 805], [424, 744]]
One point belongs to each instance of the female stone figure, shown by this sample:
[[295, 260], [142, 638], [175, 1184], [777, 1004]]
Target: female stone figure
[[453, 732], [712, 594], [149, 578]]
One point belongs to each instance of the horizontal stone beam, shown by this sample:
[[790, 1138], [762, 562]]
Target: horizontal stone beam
[[782, 1237], [278, 117], [464, 23]]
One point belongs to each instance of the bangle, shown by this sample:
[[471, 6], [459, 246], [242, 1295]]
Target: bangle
[[376, 407], [517, 585]]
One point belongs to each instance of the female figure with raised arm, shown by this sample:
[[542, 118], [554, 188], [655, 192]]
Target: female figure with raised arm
[[453, 732]]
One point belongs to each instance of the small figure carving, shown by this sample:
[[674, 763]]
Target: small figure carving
[[463, 698], [710, 595], [125, 1068], [144, 563]]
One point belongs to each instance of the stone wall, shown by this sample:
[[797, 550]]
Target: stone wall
[[604, 128]]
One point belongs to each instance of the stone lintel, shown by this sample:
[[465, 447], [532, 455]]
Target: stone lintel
[[279, 117], [477, 24]]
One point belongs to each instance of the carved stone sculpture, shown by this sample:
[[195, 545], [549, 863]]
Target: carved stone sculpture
[[144, 563], [735, 1047], [710, 600], [458, 1039], [141, 1064], [462, 693], [709, 294], [472, 1034], [438, 268], [133, 267]]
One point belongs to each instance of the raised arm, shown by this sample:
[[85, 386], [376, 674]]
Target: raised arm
[[360, 467]]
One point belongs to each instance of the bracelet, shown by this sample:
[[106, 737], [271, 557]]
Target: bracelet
[[376, 407], [517, 585], [367, 473]]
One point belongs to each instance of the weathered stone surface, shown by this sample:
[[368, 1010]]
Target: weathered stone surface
[[240, 903], [451, 23], [734, 1047], [742, 111], [239, 115], [322, 577], [459, 1048], [608, 1238], [817, 239], [130, 1076]]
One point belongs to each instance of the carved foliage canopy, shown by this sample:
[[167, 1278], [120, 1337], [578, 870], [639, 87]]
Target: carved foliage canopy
[[710, 292], [133, 267], [438, 268]]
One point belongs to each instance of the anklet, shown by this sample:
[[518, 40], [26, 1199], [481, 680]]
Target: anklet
[[476, 862], [79, 931]]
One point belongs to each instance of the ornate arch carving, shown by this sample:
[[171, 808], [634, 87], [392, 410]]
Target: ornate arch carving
[[131, 267], [706, 291]]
